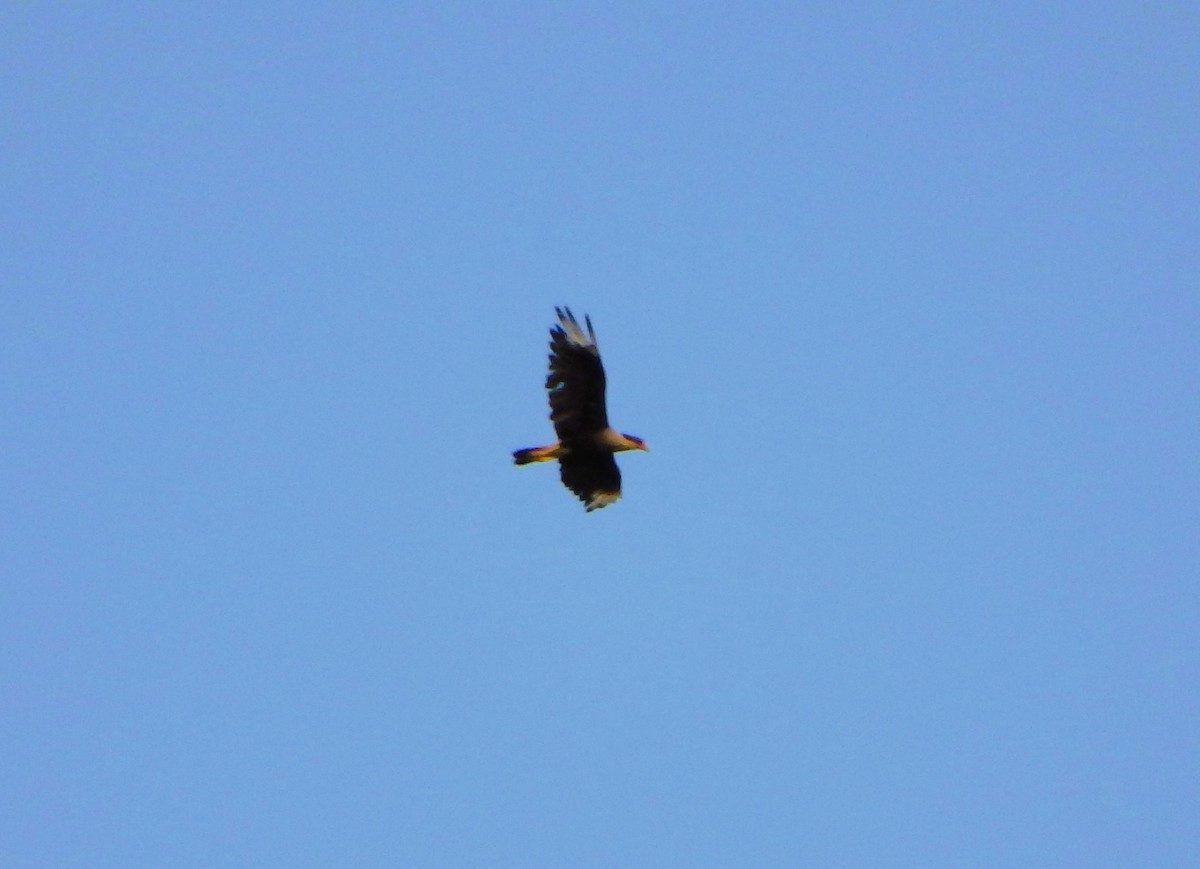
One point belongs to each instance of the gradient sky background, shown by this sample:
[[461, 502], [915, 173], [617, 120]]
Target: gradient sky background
[[904, 301]]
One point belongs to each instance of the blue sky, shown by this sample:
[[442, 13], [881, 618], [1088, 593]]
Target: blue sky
[[904, 301]]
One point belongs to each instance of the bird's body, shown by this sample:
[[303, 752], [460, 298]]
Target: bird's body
[[586, 442]]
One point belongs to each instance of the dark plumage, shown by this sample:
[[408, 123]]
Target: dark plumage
[[586, 442]]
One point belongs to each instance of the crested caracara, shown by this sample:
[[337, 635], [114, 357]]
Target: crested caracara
[[586, 442]]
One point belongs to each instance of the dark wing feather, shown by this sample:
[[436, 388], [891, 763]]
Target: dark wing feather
[[593, 476], [576, 382]]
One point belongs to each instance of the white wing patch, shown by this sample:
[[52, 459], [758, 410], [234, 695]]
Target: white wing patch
[[602, 499], [575, 333]]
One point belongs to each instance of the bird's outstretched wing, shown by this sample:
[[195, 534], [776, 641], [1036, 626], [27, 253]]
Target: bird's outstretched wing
[[576, 384], [593, 476]]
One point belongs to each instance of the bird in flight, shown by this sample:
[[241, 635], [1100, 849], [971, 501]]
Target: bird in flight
[[586, 442]]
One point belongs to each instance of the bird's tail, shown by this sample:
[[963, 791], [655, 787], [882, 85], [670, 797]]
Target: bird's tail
[[537, 454]]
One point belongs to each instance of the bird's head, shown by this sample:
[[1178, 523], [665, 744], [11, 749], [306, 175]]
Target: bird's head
[[635, 443]]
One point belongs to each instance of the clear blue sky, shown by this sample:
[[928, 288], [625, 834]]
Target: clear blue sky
[[904, 300]]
